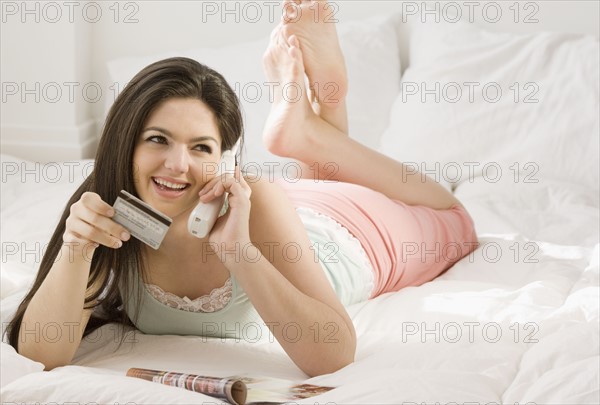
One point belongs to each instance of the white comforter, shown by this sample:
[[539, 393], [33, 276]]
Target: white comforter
[[514, 322]]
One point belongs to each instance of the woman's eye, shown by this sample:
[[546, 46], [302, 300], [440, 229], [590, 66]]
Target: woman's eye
[[205, 148], [157, 139]]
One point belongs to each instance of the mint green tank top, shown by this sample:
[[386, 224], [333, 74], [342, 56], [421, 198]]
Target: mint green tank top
[[155, 318], [346, 267]]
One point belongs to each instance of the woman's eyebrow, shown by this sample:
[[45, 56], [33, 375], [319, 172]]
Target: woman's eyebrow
[[193, 140]]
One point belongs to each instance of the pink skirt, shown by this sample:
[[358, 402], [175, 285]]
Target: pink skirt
[[407, 245]]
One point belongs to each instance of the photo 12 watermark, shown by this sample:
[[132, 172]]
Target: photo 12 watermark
[[268, 11], [469, 92], [469, 171], [49, 172], [492, 12], [253, 332], [471, 252], [53, 92], [71, 332], [289, 252], [54, 12], [471, 332], [34, 252], [289, 91]]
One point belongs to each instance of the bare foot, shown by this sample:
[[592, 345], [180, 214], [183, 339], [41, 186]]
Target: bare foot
[[288, 128], [312, 21]]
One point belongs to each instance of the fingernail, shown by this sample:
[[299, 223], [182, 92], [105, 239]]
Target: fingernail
[[125, 236], [111, 213], [118, 244]]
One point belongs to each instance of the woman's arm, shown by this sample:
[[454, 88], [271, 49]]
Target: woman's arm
[[291, 286], [286, 284], [316, 335], [55, 319]]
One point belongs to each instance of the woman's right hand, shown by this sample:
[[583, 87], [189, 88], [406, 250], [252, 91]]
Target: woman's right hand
[[90, 224]]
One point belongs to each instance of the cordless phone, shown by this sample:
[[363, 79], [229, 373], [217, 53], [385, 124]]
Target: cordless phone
[[203, 217]]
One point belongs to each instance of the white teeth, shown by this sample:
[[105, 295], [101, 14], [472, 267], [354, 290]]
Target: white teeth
[[169, 184]]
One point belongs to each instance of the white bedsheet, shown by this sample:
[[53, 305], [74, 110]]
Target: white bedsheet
[[525, 305]]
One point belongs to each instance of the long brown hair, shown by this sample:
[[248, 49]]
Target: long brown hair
[[113, 171]]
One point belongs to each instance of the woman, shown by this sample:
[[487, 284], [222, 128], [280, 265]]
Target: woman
[[375, 229]]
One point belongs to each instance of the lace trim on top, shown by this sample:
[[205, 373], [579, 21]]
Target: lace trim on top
[[215, 301]]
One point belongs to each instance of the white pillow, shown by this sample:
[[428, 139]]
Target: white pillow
[[372, 57], [34, 196], [555, 137], [15, 366]]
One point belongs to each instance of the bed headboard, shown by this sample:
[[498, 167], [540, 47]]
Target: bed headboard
[[55, 82]]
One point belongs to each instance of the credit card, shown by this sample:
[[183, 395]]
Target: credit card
[[141, 220]]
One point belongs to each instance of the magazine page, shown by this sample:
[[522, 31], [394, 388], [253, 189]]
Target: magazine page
[[243, 389], [232, 390], [269, 390]]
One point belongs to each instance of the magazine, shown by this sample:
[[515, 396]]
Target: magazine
[[237, 389]]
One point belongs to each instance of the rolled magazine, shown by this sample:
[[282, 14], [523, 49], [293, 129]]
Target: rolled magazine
[[238, 389], [231, 390]]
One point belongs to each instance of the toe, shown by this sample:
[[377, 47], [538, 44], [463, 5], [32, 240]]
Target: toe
[[296, 53], [287, 30], [281, 39], [291, 11], [293, 41]]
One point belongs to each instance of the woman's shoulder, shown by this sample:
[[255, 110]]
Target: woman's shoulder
[[261, 185], [268, 200]]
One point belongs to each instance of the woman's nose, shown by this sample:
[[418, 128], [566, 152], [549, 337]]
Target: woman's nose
[[177, 160]]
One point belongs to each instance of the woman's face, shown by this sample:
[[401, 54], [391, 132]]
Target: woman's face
[[176, 154]]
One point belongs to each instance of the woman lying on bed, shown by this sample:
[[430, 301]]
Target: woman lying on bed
[[286, 255]]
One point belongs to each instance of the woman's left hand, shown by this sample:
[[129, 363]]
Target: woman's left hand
[[231, 231]]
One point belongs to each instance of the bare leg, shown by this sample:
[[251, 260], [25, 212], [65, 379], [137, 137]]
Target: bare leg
[[294, 130], [310, 21], [324, 64], [291, 107]]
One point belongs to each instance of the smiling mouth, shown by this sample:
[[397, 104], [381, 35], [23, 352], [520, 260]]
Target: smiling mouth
[[168, 186]]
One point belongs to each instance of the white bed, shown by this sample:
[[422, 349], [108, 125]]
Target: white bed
[[517, 321]]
